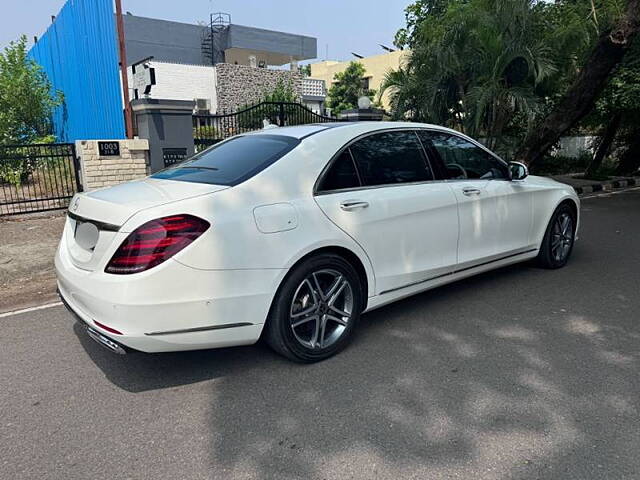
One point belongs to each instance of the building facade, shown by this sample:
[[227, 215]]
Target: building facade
[[220, 65], [79, 54], [376, 67], [224, 87], [314, 93]]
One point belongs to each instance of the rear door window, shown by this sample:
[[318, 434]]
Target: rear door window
[[341, 175], [390, 158], [233, 161]]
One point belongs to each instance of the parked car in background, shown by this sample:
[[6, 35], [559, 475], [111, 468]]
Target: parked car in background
[[293, 233]]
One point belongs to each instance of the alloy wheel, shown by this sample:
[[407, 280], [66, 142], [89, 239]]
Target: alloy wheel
[[321, 309], [562, 237]]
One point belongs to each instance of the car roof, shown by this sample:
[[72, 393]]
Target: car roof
[[298, 131], [303, 131]]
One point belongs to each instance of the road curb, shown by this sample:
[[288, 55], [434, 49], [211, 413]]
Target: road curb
[[606, 186]]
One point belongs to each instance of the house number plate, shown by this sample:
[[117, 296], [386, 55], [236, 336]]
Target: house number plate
[[109, 149]]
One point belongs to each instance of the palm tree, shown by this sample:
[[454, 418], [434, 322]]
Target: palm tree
[[475, 68]]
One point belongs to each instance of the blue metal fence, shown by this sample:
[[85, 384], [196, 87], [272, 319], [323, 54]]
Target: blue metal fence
[[80, 56]]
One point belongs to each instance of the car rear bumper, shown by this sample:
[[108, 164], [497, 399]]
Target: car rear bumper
[[171, 307]]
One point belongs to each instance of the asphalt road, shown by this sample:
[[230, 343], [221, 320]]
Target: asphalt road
[[520, 373]]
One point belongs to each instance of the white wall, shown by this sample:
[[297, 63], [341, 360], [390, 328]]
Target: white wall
[[314, 105], [175, 81], [575, 146]]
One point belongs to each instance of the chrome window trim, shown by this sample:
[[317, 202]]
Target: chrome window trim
[[373, 187]]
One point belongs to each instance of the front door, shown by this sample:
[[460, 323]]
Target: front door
[[495, 213], [381, 191]]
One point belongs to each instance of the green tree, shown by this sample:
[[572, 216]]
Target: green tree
[[414, 15], [475, 65], [26, 98], [527, 70], [305, 70], [616, 29], [348, 86], [617, 114]]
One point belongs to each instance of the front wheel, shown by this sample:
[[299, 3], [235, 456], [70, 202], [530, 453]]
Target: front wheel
[[316, 309], [557, 244]]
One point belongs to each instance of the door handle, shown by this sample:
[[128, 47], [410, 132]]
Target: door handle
[[349, 205], [468, 191]]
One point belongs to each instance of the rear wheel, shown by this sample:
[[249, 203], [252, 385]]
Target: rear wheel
[[316, 309], [558, 239]]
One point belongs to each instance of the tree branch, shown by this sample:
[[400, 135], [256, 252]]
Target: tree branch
[[581, 96]]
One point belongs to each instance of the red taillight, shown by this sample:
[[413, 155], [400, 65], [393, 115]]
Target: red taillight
[[154, 242]]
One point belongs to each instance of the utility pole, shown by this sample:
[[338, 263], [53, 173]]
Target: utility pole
[[123, 70]]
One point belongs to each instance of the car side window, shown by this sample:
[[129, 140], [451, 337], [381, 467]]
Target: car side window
[[341, 174], [463, 159], [389, 158]]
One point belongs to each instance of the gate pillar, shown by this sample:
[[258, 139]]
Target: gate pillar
[[168, 125]]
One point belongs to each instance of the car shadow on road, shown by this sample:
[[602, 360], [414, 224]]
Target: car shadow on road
[[446, 384], [511, 373], [139, 372]]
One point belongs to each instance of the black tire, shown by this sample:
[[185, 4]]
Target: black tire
[[279, 331], [547, 257]]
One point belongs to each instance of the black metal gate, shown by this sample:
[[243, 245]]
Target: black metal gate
[[37, 178], [211, 129]]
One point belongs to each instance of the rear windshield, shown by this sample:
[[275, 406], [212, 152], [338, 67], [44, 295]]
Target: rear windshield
[[231, 162]]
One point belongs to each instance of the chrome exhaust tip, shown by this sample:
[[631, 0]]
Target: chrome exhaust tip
[[106, 342]]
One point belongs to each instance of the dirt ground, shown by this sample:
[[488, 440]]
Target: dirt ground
[[27, 247]]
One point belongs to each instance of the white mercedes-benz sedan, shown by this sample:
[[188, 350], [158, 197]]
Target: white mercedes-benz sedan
[[292, 233]]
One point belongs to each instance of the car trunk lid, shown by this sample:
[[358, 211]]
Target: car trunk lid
[[95, 218]]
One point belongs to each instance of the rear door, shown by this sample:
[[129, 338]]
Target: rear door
[[495, 213], [382, 191]]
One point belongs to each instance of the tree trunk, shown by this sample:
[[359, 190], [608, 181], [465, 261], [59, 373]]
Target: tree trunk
[[581, 96], [605, 146], [630, 161]]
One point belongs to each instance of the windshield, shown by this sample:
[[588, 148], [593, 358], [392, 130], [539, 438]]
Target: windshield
[[231, 162]]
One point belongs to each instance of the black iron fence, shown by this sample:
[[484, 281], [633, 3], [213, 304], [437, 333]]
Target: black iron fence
[[211, 129], [37, 178]]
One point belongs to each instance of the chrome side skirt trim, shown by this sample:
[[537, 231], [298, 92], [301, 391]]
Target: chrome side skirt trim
[[413, 284], [201, 329]]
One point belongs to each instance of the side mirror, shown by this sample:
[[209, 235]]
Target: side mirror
[[519, 171]]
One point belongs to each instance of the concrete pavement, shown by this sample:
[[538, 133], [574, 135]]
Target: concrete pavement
[[521, 373], [27, 246]]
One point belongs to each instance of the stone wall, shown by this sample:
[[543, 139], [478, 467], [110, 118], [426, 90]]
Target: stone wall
[[238, 85], [103, 171]]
